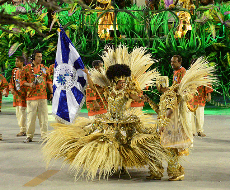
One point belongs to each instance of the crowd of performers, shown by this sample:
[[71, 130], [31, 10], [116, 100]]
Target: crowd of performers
[[117, 135], [28, 85]]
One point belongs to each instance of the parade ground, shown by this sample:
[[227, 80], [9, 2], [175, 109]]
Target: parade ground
[[108, 55], [22, 165]]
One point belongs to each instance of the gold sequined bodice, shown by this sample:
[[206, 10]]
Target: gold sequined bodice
[[116, 104], [122, 125]]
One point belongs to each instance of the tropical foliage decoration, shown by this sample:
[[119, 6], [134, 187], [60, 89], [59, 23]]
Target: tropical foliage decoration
[[139, 26]]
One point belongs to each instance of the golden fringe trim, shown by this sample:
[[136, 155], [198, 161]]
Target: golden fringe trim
[[92, 156], [99, 152]]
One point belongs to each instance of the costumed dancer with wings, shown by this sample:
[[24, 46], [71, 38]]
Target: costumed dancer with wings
[[120, 138], [174, 113]]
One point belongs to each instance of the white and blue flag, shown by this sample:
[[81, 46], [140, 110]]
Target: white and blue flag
[[69, 81]]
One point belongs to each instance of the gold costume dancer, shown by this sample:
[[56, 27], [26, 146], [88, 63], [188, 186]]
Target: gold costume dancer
[[173, 117], [184, 16], [120, 138], [105, 23]]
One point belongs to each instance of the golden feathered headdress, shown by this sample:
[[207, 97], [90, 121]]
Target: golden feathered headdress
[[138, 61]]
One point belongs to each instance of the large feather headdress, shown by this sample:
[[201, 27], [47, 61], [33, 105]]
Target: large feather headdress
[[138, 61]]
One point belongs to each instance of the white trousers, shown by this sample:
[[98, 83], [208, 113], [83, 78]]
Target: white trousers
[[197, 120], [34, 108], [21, 117]]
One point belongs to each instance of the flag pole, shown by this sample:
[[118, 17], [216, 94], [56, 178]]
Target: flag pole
[[98, 93], [100, 96], [97, 90]]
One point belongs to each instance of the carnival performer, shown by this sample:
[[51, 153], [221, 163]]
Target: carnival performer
[[36, 78], [3, 88], [3, 91], [173, 118], [120, 137], [105, 23], [198, 103], [94, 102], [184, 16], [19, 95], [175, 170], [179, 70]]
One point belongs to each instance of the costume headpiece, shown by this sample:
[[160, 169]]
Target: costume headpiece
[[116, 79], [137, 61]]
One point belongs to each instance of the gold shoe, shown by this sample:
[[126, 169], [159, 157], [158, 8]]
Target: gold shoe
[[153, 177], [201, 134], [178, 178]]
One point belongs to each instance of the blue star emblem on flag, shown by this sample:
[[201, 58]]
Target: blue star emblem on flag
[[69, 81]]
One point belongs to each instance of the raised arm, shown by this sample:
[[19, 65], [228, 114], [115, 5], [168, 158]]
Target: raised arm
[[90, 82]]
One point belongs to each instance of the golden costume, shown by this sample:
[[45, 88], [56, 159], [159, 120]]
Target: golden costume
[[105, 23], [184, 17], [119, 138], [177, 132]]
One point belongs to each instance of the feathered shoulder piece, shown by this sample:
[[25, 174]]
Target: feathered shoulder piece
[[200, 74], [138, 61], [99, 78]]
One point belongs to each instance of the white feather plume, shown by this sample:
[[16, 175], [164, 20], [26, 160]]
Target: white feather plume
[[138, 61]]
